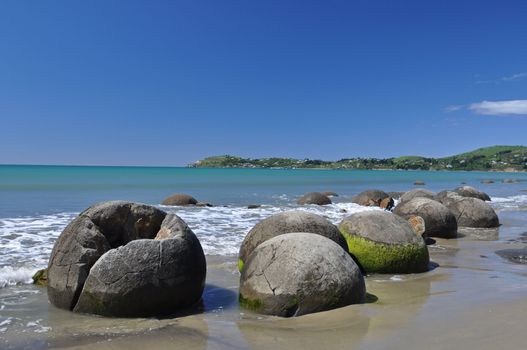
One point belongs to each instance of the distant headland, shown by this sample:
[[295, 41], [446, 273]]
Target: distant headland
[[494, 158]]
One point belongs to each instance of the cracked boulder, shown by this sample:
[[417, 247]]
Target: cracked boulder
[[287, 222], [314, 198], [439, 220], [126, 259], [383, 242], [469, 211], [374, 198], [300, 273]]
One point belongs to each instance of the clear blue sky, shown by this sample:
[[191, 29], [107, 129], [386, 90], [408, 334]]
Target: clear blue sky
[[169, 82]]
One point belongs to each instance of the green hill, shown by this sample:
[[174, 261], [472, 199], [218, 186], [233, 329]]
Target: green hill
[[510, 158]]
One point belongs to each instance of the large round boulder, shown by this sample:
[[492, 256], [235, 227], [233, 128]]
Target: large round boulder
[[384, 242], [417, 193], [314, 198], [374, 198], [179, 199], [439, 220], [126, 259], [287, 222], [468, 191], [299, 273], [473, 212]]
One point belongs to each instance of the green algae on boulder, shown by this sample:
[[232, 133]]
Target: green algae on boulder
[[40, 278], [299, 273], [384, 243], [287, 222]]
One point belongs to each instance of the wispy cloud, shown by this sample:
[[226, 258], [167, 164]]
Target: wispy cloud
[[500, 108], [453, 108], [505, 79], [515, 77]]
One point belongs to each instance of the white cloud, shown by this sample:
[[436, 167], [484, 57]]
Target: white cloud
[[511, 107], [515, 77], [453, 108]]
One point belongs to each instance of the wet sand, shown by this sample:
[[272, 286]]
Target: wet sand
[[472, 299]]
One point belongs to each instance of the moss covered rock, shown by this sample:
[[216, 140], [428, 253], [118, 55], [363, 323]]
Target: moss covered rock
[[299, 273], [384, 243], [40, 278]]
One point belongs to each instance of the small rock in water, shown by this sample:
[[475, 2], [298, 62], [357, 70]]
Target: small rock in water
[[314, 198], [517, 256], [487, 181], [254, 206], [419, 183], [179, 199], [204, 204], [330, 194], [509, 181]]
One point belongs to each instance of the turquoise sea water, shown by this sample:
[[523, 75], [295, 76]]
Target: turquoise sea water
[[37, 202], [32, 190]]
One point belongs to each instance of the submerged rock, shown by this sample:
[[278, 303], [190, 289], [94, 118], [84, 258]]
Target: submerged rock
[[314, 198], [330, 194], [287, 222], [111, 245], [374, 198], [468, 191], [385, 243], [300, 273], [179, 199], [487, 181], [518, 256], [419, 183], [254, 206], [439, 220]]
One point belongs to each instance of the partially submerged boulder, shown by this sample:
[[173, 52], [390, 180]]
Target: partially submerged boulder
[[107, 262], [468, 191], [439, 220], [330, 194], [417, 193], [179, 199], [385, 243], [374, 198], [517, 256], [287, 222], [314, 198], [419, 183], [300, 273]]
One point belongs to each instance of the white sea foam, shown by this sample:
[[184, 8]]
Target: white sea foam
[[26, 242], [512, 202]]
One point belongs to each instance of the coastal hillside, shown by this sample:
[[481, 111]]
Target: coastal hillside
[[494, 158]]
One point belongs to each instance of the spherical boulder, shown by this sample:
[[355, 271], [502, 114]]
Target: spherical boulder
[[468, 191], [126, 259], [439, 220], [472, 212], [300, 273], [287, 222], [314, 198], [179, 199], [384, 242], [374, 198], [417, 193]]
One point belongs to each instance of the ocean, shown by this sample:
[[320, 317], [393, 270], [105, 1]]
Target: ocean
[[37, 202]]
